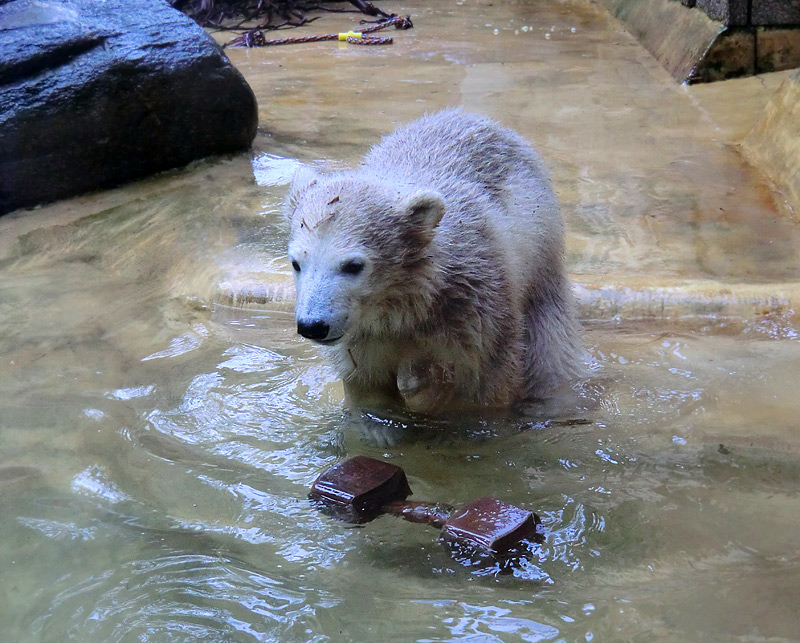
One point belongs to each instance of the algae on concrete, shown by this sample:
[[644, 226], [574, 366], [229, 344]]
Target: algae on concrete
[[774, 142]]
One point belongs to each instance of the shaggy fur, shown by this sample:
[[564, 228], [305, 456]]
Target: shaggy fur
[[432, 274]]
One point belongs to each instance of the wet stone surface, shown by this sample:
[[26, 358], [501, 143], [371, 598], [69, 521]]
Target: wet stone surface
[[96, 94]]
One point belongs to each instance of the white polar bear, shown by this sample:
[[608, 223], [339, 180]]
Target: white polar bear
[[433, 274]]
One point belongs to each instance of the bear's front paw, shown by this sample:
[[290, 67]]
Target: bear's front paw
[[424, 387]]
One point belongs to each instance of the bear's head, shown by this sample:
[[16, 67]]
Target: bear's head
[[362, 252]]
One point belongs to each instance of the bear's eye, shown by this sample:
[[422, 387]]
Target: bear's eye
[[295, 266], [352, 267]]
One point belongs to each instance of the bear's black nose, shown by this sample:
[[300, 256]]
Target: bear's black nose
[[313, 330]]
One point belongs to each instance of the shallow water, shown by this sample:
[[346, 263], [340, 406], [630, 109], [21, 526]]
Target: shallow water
[[156, 445]]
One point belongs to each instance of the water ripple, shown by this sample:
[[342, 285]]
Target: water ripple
[[177, 598]]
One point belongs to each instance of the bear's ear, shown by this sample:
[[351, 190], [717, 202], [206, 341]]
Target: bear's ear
[[425, 209], [304, 177]]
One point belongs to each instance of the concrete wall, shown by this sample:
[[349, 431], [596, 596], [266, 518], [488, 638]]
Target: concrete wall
[[694, 47], [708, 40]]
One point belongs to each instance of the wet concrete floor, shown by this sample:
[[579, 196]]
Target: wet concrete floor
[[650, 174]]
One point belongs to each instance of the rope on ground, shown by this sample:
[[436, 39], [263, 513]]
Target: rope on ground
[[256, 38]]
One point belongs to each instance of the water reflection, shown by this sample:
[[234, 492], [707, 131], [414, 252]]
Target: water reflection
[[175, 597], [488, 623], [189, 517]]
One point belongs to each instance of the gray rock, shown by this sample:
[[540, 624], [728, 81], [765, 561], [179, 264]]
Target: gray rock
[[96, 93]]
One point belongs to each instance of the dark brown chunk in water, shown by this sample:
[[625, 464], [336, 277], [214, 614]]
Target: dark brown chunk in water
[[491, 524], [357, 489], [362, 488]]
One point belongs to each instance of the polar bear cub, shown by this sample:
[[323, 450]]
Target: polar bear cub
[[432, 275]]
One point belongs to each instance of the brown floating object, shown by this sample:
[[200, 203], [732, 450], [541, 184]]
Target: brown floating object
[[491, 524], [357, 489], [362, 488]]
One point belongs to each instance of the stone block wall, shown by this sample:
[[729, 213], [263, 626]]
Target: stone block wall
[[775, 12], [746, 13]]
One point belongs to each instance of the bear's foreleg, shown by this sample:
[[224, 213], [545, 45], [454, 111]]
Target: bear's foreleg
[[426, 386]]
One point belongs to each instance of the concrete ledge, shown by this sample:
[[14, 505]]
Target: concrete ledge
[[773, 145], [601, 299], [604, 298]]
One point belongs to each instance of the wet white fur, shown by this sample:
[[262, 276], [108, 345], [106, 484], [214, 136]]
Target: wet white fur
[[463, 300]]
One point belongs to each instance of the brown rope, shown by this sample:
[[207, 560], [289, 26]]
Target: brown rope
[[255, 37]]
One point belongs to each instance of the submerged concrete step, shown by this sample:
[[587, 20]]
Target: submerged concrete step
[[604, 298]]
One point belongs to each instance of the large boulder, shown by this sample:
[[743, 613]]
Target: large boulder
[[93, 94]]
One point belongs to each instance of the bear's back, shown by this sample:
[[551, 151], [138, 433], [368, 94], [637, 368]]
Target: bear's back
[[495, 186], [460, 155]]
